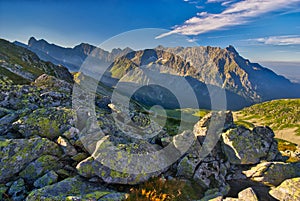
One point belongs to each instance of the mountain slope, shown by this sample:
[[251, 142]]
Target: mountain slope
[[237, 74], [19, 65], [244, 82]]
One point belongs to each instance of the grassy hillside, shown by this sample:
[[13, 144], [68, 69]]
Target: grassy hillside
[[21, 66], [283, 116]]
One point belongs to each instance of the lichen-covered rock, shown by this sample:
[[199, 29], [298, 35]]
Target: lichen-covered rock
[[289, 190], [93, 166], [73, 188], [16, 154], [214, 120], [45, 122], [210, 174], [113, 197], [273, 173], [243, 146], [39, 167], [18, 190], [186, 168], [212, 195], [52, 83], [47, 179]]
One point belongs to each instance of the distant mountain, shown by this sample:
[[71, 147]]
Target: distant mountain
[[245, 83], [237, 74], [19, 65], [72, 58]]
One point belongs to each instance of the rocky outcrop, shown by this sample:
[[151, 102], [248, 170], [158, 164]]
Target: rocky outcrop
[[287, 190], [242, 146], [16, 154], [73, 188], [273, 173]]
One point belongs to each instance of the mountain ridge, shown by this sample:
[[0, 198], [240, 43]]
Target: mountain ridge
[[223, 68]]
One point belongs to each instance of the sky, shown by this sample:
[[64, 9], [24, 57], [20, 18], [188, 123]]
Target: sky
[[260, 30]]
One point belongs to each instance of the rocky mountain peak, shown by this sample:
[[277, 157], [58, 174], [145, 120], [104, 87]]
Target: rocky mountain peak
[[230, 48]]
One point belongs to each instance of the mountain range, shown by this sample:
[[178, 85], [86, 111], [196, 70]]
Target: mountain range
[[244, 82]]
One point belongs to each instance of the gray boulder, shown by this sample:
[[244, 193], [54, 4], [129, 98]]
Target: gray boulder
[[287, 190], [73, 188], [16, 154], [39, 167], [273, 173], [242, 146], [46, 180], [18, 190]]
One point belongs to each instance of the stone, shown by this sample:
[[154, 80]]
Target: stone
[[47, 179], [39, 167], [209, 175], [45, 122], [247, 194], [16, 154], [242, 146], [113, 197], [3, 189], [18, 190], [273, 173], [288, 190], [79, 157], [93, 166], [212, 195], [66, 146], [73, 188], [186, 168]]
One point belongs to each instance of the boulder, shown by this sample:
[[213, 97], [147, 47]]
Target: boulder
[[122, 162], [273, 173], [186, 168], [242, 146], [287, 190], [16, 154], [211, 175], [39, 167], [247, 194], [18, 190], [45, 122], [46, 180], [73, 188]]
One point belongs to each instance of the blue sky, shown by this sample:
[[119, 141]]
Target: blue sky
[[261, 30]]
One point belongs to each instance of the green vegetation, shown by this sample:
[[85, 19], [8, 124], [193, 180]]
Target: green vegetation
[[9, 77], [20, 56], [284, 145], [277, 114], [172, 119]]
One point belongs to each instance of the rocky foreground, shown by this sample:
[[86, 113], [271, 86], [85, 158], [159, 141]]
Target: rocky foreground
[[43, 153]]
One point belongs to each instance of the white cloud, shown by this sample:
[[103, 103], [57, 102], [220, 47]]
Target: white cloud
[[235, 14], [215, 1], [191, 40], [280, 40]]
